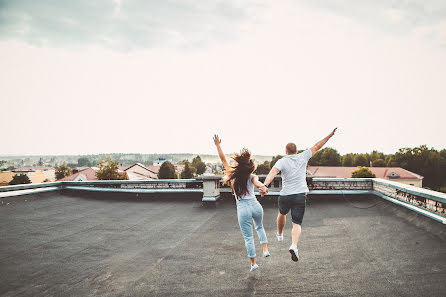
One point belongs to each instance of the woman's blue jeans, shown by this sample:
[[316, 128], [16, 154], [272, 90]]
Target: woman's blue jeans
[[250, 210]]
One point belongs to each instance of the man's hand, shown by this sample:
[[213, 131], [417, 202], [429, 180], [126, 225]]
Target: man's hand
[[217, 140], [263, 190], [319, 144]]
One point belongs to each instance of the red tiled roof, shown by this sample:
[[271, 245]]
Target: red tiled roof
[[153, 168], [346, 172], [89, 173]]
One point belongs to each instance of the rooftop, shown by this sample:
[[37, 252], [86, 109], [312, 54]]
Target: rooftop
[[92, 244], [346, 172]]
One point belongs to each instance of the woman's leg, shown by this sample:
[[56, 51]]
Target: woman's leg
[[245, 222], [257, 215]]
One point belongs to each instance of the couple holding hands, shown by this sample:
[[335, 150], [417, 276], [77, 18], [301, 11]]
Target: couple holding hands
[[292, 197]]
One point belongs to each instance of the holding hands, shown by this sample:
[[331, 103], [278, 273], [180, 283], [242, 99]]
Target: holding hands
[[263, 190]]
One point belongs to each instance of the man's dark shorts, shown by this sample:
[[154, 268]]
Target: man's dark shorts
[[296, 203]]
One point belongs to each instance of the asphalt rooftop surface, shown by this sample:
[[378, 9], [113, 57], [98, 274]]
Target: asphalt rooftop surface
[[58, 244]]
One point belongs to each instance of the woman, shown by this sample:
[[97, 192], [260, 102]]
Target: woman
[[240, 178]]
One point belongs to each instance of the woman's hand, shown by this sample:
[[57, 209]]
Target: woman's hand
[[217, 140]]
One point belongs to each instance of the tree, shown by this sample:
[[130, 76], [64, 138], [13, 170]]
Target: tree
[[274, 160], [62, 171], [326, 157], [379, 163], [83, 162], [19, 179], [360, 160], [424, 161], [197, 163], [108, 170], [362, 172], [167, 171], [347, 160], [263, 168], [188, 171], [375, 155]]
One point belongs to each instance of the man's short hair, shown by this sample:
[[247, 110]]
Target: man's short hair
[[291, 148]]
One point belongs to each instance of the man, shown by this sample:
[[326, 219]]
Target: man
[[294, 189]]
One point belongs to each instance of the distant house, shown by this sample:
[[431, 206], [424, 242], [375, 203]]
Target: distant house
[[156, 168], [160, 161], [135, 172], [37, 174], [139, 171], [6, 177], [86, 174], [391, 173]]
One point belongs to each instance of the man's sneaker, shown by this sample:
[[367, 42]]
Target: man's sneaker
[[294, 253], [254, 267], [279, 236], [266, 254]]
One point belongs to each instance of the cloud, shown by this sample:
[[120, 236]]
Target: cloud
[[123, 24], [392, 16]]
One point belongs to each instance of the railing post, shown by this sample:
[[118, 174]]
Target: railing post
[[211, 188]]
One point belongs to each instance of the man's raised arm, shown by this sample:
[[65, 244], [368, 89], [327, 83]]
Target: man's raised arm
[[321, 143]]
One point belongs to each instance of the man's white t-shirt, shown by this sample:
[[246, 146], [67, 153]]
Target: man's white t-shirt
[[294, 169]]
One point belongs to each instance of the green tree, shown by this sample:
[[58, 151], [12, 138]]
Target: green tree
[[83, 162], [20, 179], [379, 163], [188, 171], [108, 170], [199, 165], [360, 160], [167, 171], [326, 157], [347, 160], [62, 171], [375, 155], [274, 160], [263, 168], [362, 172], [424, 161]]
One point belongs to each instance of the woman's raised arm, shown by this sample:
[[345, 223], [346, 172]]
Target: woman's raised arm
[[222, 156]]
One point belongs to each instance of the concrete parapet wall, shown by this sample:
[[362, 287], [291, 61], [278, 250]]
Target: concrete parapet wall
[[340, 184], [426, 199]]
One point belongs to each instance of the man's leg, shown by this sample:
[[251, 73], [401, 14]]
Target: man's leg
[[297, 215], [281, 220], [295, 233]]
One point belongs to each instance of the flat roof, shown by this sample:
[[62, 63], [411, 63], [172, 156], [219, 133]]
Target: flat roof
[[56, 244]]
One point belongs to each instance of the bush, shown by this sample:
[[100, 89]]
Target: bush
[[167, 171], [362, 172], [108, 170], [199, 165], [188, 171], [19, 179], [263, 168], [62, 171]]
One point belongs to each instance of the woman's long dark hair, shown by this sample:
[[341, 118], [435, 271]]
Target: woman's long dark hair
[[237, 177]]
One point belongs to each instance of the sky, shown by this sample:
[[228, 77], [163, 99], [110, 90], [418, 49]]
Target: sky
[[88, 77]]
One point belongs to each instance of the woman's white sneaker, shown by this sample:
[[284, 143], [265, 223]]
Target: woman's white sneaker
[[279, 236], [254, 267], [266, 254]]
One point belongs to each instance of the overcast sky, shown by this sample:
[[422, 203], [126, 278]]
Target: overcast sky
[[79, 77]]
